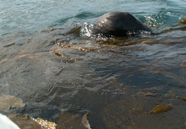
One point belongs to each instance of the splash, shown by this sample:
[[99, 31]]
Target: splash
[[85, 30]]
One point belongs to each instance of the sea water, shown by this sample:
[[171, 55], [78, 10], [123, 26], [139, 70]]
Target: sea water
[[32, 16], [52, 69]]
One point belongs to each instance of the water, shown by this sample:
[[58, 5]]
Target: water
[[32, 16], [49, 61]]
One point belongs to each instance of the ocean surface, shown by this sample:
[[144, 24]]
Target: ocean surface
[[32, 16], [51, 68]]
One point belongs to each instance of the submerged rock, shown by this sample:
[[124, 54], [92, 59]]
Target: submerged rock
[[8, 101]]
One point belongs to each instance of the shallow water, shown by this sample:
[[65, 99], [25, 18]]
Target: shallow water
[[61, 74]]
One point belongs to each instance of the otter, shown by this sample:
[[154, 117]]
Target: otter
[[118, 24]]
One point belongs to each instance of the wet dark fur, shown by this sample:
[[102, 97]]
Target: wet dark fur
[[118, 24]]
